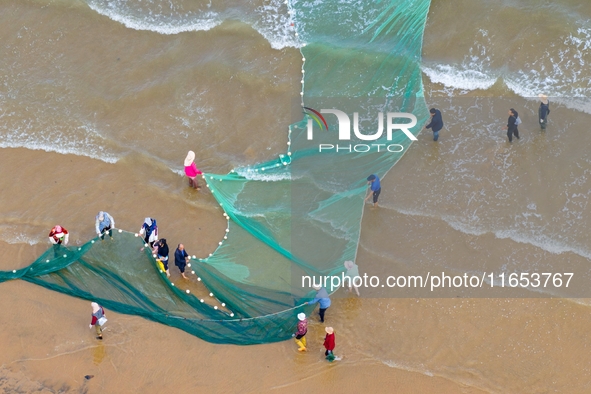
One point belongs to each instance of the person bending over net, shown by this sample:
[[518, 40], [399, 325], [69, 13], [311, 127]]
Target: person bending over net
[[103, 223], [98, 319], [58, 236], [161, 250]]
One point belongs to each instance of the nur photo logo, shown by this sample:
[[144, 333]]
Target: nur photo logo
[[344, 130]]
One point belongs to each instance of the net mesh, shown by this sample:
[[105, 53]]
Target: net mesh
[[297, 215]]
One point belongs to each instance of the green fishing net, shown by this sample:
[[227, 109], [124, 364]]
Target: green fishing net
[[299, 214]]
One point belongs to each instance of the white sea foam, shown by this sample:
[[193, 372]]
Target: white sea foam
[[472, 73], [542, 241], [18, 238], [276, 23], [253, 175], [88, 142], [272, 20], [459, 77], [560, 70], [65, 150], [156, 21]]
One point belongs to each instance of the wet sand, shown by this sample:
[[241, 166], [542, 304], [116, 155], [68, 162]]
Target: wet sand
[[47, 346], [45, 337]]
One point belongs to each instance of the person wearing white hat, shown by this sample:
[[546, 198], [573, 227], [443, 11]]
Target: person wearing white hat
[[104, 222], [543, 111], [352, 273], [300, 335], [191, 170], [98, 319], [150, 231]]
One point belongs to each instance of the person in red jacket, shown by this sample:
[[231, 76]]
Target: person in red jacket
[[329, 343], [57, 236]]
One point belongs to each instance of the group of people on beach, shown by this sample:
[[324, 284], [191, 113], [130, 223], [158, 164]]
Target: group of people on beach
[[104, 224], [436, 123], [323, 299]]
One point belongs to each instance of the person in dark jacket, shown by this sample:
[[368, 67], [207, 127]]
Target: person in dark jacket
[[436, 123], [543, 111], [512, 125], [161, 251], [181, 258]]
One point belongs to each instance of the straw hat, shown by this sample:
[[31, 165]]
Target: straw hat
[[189, 159], [349, 264], [95, 307], [543, 98], [329, 330], [302, 316]]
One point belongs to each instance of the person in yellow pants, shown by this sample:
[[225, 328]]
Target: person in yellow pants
[[300, 335]]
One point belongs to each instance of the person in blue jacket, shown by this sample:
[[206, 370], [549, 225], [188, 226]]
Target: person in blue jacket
[[375, 188], [436, 123], [322, 299]]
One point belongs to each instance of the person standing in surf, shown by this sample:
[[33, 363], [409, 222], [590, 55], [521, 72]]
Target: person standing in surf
[[181, 258], [329, 344], [375, 188], [512, 124], [436, 123], [543, 111], [191, 170], [352, 273]]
